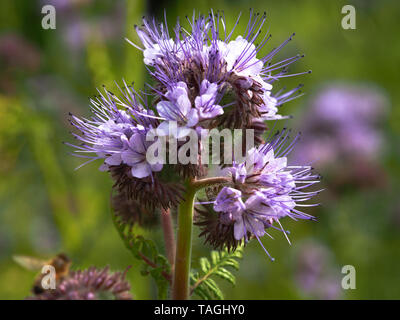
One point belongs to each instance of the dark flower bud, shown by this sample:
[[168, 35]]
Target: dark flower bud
[[130, 212], [150, 192]]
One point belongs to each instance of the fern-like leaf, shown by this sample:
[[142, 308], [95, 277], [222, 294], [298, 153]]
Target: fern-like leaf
[[203, 284], [144, 249]]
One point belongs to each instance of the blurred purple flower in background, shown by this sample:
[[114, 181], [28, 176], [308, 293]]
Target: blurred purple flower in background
[[316, 274], [341, 131], [76, 31]]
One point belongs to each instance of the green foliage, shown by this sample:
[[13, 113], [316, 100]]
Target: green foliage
[[155, 264], [202, 283]]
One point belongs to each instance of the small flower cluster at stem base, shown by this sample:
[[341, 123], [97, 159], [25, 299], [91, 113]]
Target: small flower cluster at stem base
[[89, 284]]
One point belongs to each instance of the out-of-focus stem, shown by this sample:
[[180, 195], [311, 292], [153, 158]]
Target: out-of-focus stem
[[180, 286], [168, 230]]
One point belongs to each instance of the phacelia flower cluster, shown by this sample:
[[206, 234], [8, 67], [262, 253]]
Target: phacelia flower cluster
[[260, 192], [207, 63], [204, 78], [116, 133]]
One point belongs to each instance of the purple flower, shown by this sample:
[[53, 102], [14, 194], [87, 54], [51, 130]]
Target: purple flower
[[240, 56], [269, 109], [177, 108], [135, 156], [157, 46], [264, 190], [251, 223], [89, 284], [115, 135], [206, 102], [207, 59], [154, 53], [229, 200]]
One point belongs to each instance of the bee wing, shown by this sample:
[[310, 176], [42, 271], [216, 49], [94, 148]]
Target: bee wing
[[29, 263]]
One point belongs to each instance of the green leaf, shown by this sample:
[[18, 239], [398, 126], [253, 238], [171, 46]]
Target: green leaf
[[205, 264], [203, 293], [232, 263], [225, 274], [203, 284], [212, 285], [215, 257], [146, 250], [162, 283]]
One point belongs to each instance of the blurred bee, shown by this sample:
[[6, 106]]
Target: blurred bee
[[60, 262]]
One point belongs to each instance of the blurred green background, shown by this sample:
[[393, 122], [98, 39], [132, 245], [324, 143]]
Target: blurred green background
[[46, 207]]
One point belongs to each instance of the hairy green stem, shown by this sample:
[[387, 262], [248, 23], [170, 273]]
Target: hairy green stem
[[180, 286], [181, 281], [206, 182]]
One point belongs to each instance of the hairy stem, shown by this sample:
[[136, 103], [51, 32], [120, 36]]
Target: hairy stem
[[168, 230], [180, 287]]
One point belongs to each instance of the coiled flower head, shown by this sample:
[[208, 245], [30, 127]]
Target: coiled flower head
[[117, 134], [261, 191], [131, 212], [211, 64]]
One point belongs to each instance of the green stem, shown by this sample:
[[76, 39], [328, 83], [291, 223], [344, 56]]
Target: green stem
[[180, 287]]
